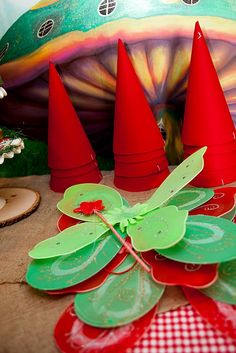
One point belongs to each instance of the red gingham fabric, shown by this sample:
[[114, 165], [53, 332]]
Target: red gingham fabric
[[183, 331]]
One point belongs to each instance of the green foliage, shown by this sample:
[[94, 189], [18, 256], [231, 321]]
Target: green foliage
[[33, 159]]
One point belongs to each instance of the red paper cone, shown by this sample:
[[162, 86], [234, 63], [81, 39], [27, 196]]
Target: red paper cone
[[60, 184], [217, 162], [135, 129], [207, 118], [68, 145], [140, 161], [142, 168], [74, 171], [212, 178], [141, 183], [214, 149], [141, 157]]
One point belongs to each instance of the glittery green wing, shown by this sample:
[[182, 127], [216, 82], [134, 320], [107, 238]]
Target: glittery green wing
[[121, 299], [68, 270], [190, 198], [76, 194], [180, 177], [159, 229], [70, 240], [207, 240], [224, 289]]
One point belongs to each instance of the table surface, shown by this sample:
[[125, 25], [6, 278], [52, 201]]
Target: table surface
[[28, 316]]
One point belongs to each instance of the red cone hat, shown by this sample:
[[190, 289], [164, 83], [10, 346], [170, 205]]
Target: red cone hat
[[207, 119], [143, 183], [139, 169], [214, 178], [135, 129], [137, 138], [68, 145], [60, 184]]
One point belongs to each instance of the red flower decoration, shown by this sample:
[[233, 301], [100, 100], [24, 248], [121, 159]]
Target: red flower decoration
[[88, 208]]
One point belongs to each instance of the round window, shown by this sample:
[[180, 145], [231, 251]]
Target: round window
[[45, 28], [106, 7], [190, 2]]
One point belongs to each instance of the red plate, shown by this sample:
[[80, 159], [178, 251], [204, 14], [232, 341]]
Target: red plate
[[222, 203], [73, 336], [220, 315], [65, 222], [174, 273]]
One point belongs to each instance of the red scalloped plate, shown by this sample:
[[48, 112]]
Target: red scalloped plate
[[73, 336], [173, 273], [222, 203]]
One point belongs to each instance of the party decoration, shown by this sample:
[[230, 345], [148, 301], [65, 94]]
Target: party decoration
[[180, 177], [205, 98], [89, 284], [87, 199], [222, 203], [108, 306], [135, 125], [190, 198], [127, 215], [69, 240], [206, 110], [65, 221], [156, 231], [88, 208], [70, 155], [220, 315], [73, 335], [126, 109], [66, 271], [207, 240], [77, 194], [169, 272], [96, 280], [224, 289]]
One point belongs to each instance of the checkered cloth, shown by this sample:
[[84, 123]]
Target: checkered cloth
[[183, 331]]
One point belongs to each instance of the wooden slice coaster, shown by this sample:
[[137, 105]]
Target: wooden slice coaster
[[20, 203], [2, 202]]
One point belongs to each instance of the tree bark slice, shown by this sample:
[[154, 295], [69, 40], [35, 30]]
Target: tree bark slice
[[19, 203]]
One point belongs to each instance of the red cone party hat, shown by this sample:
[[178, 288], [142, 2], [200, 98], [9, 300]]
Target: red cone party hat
[[207, 120], [140, 161], [70, 155]]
